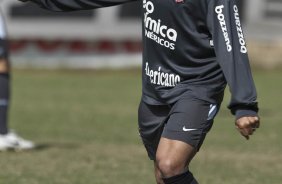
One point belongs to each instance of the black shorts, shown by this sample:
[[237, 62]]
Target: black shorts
[[4, 51], [188, 120]]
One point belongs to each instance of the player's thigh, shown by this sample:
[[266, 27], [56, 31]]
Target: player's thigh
[[186, 127], [4, 61], [174, 155], [4, 65], [151, 120]]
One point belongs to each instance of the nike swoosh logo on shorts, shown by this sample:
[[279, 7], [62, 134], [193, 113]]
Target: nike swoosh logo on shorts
[[188, 129]]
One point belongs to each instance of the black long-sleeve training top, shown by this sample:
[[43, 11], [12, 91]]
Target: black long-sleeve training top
[[190, 48]]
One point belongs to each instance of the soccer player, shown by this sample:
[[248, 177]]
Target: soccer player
[[191, 50], [8, 139]]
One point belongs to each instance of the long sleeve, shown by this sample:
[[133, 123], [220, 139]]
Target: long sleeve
[[231, 52], [71, 5]]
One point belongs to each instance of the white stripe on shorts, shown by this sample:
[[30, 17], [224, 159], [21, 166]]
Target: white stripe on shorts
[[212, 112]]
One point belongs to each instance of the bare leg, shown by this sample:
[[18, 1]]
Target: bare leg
[[172, 158], [158, 174]]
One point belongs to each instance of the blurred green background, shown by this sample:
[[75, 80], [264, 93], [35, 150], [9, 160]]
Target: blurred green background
[[85, 125], [85, 121]]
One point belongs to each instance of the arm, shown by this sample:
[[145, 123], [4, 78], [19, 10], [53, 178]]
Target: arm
[[71, 5], [231, 51]]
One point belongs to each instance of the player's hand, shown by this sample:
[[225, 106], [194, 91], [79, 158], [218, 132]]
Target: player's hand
[[247, 125]]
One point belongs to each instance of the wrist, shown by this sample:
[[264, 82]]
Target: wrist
[[245, 112]]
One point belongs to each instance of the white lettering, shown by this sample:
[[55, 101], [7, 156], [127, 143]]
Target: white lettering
[[171, 34], [149, 7], [222, 22], [161, 78], [162, 30], [163, 35], [242, 41]]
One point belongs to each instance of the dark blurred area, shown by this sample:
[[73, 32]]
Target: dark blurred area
[[28, 10]]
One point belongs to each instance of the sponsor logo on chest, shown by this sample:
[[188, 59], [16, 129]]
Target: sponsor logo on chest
[[160, 78], [156, 30]]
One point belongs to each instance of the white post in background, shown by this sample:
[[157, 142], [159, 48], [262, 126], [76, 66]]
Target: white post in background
[[264, 32], [264, 19]]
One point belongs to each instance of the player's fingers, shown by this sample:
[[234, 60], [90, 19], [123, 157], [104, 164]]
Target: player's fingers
[[247, 126], [255, 120], [251, 119], [245, 135], [258, 122], [250, 130], [242, 124], [243, 132]]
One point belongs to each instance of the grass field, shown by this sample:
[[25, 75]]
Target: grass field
[[85, 125]]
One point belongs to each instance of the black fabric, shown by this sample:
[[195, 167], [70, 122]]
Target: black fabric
[[4, 102], [151, 120], [184, 178], [188, 120], [4, 51], [71, 5], [194, 46]]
